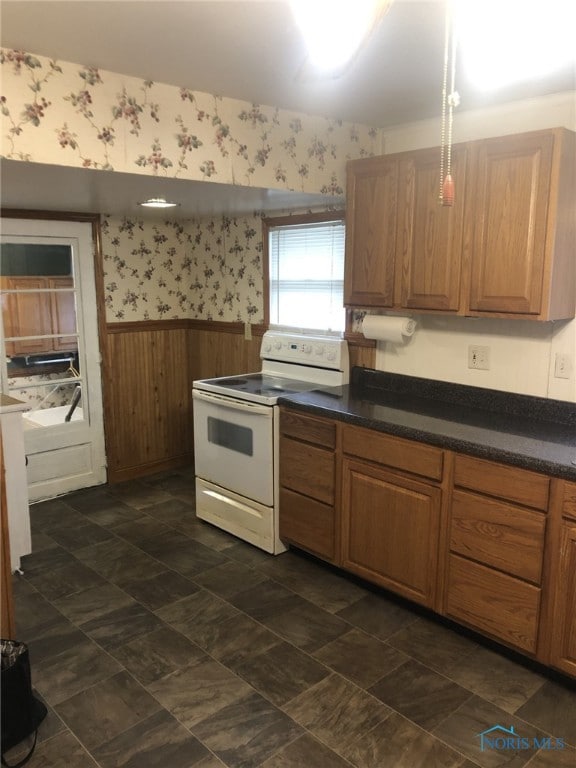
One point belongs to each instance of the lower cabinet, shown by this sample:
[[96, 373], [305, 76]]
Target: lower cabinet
[[564, 637], [307, 484], [486, 544], [496, 538], [390, 529], [563, 645]]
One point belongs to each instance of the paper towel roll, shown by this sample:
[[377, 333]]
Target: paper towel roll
[[388, 328]]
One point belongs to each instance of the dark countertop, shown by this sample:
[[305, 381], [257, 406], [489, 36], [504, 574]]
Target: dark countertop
[[529, 432]]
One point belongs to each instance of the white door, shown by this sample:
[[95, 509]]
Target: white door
[[51, 359]]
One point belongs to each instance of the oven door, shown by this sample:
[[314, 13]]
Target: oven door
[[234, 445]]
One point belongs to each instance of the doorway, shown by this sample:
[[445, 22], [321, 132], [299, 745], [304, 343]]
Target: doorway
[[50, 351]]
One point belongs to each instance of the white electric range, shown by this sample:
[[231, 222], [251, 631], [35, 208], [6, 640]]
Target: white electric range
[[236, 432]]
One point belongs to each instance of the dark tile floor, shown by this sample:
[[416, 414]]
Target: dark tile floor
[[158, 640]]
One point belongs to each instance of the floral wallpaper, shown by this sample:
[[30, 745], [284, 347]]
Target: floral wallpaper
[[48, 396], [208, 268], [68, 114]]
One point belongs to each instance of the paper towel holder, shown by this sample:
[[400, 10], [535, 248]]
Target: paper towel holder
[[389, 328]]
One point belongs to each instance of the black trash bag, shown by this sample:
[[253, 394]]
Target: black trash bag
[[22, 712]]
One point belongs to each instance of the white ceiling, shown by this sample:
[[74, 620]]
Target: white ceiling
[[245, 49]]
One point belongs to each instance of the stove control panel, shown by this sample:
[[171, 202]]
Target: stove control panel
[[321, 351]]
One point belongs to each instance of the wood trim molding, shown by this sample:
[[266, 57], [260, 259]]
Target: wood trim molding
[[303, 218], [358, 340], [140, 326], [227, 327], [132, 473], [283, 221], [16, 213]]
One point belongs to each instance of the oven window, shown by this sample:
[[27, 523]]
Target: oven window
[[230, 435]]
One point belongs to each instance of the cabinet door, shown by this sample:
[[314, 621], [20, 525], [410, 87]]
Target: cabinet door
[[564, 630], [26, 314], [371, 232], [390, 530], [509, 208], [63, 314], [430, 236]]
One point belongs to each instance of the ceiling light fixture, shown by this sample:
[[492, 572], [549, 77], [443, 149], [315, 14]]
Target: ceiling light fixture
[[514, 41], [334, 30], [158, 202]]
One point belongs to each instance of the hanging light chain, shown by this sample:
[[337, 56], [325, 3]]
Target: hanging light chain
[[444, 102], [449, 102], [453, 101]]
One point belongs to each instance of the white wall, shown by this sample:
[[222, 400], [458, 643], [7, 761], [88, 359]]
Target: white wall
[[522, 353], [553, 111]]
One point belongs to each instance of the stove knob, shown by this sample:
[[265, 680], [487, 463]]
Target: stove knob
[[331, 355], [278, 345], [306, 348], [267, 347], [319, 350]]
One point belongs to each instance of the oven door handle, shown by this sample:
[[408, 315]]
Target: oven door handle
[[235, 405]]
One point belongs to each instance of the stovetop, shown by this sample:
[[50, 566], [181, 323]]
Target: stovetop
[[257, 387], [291, 363]]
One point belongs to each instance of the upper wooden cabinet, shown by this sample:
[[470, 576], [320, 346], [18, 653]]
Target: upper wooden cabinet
[[63, 315], [505, 249], [430, 235], [36, 313], [25, 314], [371, 217], [524, 226]]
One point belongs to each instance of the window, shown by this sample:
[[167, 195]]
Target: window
[[306, 272]]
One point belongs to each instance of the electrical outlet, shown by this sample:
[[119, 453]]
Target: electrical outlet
[[562, 366], [479, 357]]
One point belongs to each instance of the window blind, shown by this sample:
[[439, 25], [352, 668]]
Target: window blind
[[307, 276]]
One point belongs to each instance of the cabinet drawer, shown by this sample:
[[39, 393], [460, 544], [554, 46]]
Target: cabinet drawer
[[569, 501], [493, 602], [307, 523], [308, 428], [510, 483], [307, 469], [498, 534], [406, 455]]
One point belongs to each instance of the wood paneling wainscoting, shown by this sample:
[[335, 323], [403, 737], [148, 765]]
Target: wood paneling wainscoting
[[149, 369], [148, 411]]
